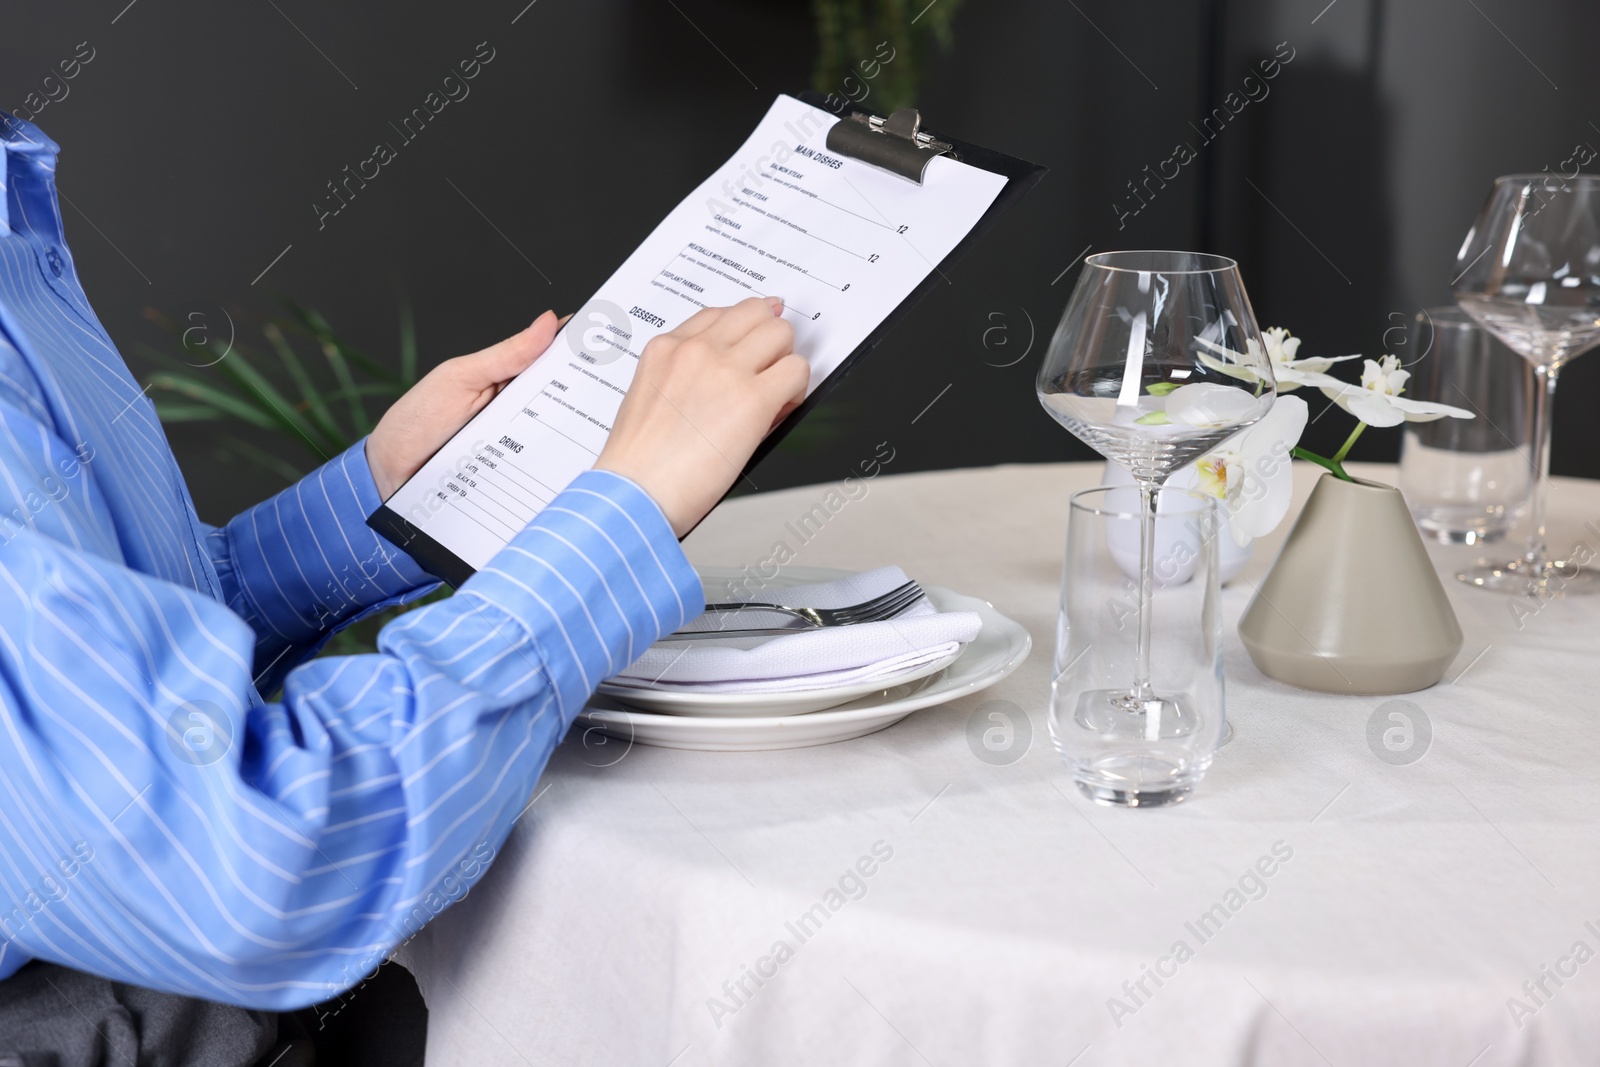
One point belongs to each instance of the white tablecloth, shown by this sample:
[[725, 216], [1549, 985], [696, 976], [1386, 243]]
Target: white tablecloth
[[1005, 919]]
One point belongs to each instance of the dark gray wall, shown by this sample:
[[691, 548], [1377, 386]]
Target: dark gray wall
[[197, 141]]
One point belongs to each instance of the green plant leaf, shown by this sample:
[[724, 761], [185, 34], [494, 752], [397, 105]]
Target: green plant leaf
[[268, 461], [1160, 388], [309, 393], [226, 403], [347, 388], [254, 387], [1152, 418], [278, 408], [340, 356], [188, 412], [388, 389], [314, 324]]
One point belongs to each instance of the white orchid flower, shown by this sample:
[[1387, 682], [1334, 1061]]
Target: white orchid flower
[[1210, 406], [1204, 405], [1281, 348], [1250, 471], [1377, 400]]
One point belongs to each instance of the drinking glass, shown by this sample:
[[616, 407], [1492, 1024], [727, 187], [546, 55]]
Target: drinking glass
[[1466, 480], [1157, 360], [1158, 753], [1529, 272]]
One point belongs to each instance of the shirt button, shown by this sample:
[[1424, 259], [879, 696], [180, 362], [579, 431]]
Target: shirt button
[[54, 259]]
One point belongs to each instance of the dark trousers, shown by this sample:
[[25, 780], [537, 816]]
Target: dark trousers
[[54, 1017]]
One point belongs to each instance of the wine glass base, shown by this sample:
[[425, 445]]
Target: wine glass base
[[1451, 535], [1552, 578]]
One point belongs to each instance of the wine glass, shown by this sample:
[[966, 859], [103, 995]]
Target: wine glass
[[1157, 360], [1529, 272]]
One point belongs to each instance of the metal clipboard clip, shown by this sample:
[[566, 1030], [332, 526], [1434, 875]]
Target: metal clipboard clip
[[896, 144]]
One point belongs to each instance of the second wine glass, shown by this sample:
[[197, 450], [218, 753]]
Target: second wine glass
[[1529, 272], [1157, 360]]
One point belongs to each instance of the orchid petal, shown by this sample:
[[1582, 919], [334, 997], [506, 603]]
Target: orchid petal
[[1283, 424], [1207, 404], [1267, 475], [1297, 376], [1374, 408], [1337, 391], [1229, 365], [1260, 479], [1425, 411], [1317, 364]]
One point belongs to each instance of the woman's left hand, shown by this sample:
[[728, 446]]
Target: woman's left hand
[[429, 414]]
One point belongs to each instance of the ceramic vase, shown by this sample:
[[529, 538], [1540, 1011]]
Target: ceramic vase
[[1352, 603]]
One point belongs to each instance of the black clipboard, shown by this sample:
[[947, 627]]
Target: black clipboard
[[898, 143]]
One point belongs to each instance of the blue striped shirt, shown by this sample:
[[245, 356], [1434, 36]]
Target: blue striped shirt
[[160, 823]]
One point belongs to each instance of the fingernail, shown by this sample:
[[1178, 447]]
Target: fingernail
[[776, 304]]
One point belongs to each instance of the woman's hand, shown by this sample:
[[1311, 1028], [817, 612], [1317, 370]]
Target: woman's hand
[[703, 396], [429, 414]]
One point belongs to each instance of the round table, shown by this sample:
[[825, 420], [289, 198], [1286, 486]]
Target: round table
[[897, 899]]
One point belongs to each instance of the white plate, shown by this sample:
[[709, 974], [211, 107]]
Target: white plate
[[750, 705], [1001, 645], [673, 702]]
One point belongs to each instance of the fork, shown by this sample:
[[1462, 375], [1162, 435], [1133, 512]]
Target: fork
[[880, 608]]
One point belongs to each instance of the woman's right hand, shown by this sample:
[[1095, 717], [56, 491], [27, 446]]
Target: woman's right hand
[[703, 396]]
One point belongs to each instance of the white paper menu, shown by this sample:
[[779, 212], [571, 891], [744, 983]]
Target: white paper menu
[[841, 241]]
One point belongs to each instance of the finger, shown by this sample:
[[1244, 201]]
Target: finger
[[765, 344], [740, 319], [785, 382], [699, 322], [504, 361]]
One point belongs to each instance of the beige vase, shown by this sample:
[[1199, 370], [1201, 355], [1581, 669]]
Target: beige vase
[[1352, 603]]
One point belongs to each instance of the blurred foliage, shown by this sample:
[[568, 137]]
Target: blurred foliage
[[851, 62], [310, 409], [319, 407]]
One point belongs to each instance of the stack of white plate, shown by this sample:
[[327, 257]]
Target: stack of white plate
[[745, 722]]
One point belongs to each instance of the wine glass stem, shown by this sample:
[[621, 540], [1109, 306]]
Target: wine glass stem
[[1148, 491], [1544, 394]]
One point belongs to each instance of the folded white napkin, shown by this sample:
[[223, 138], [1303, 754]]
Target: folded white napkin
[[814, 659]]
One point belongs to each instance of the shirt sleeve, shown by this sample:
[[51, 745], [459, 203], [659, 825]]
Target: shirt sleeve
[[161, 825], [304, 564]]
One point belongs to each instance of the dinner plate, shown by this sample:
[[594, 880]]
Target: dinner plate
[[680, 702], [689, 701], [1001, 645]]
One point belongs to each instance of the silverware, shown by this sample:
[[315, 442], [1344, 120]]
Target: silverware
[[895, 602]]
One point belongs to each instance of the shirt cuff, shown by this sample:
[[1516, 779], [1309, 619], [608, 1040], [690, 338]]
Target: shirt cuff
[[595, 579], [307, 559]]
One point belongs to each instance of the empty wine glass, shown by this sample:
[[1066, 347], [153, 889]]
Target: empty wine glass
[[1157, 360], [1529, 272]]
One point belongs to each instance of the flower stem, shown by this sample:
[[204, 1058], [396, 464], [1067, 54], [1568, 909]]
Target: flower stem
[[1349, 442], [1332, 465]]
